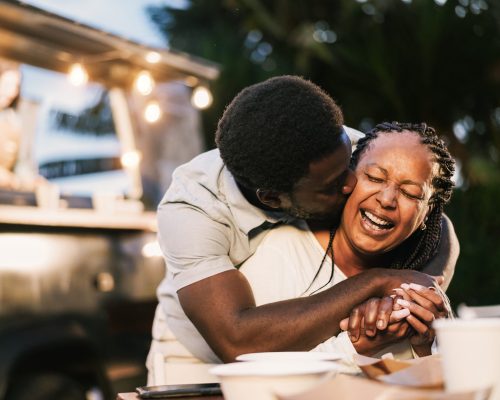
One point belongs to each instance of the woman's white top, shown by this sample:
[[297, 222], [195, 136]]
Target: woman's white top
[[284, 266]]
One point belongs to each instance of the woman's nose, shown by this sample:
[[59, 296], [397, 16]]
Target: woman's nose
[[387, 196], [350, 182]]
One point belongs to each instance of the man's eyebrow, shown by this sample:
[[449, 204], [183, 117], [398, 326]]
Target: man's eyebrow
[[337, 179]]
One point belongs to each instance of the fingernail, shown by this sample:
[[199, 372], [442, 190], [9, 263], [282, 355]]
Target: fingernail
[[404, 312], [380, 324], [403, 302], [416, 287], [405, 286]]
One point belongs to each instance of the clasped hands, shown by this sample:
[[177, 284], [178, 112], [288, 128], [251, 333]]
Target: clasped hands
[[407, 313]]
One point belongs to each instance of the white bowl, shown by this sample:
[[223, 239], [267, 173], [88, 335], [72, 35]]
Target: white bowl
[[262, 380], [290, 356]]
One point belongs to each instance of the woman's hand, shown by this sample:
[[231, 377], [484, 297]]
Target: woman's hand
[[425, 305], [388, 279]]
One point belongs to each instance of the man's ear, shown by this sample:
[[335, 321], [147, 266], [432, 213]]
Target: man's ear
[[270, 198]]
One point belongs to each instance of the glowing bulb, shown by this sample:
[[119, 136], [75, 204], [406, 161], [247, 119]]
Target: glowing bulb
[[144, 83], [78, 75], [151, 249], [152, 112], [131, 159], [153, 57], [201, 98]]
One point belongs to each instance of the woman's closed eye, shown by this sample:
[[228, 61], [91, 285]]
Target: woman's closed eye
[[373, 178], [411, 195]]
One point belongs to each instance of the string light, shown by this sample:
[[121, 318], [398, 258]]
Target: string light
[[152, 112], [201, 98], [153, 57], [131, 159], [144, 83], [78, 75]]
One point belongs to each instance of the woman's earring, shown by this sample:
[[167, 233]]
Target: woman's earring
[[423, 227]]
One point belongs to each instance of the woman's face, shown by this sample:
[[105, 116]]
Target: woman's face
[[390, 200]]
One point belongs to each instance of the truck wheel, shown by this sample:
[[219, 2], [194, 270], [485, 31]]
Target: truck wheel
[[45, 387]]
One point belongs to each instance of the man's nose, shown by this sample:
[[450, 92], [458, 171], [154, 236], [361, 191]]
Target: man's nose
[[350, 182], [387, 196]]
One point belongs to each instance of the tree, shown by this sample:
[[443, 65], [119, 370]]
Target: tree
[[380, 59]]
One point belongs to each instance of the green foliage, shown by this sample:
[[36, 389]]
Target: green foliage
[[477, 222], [381, 60]]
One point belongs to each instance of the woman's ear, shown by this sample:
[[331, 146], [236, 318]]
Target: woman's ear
[[270, 198], [423, 226]]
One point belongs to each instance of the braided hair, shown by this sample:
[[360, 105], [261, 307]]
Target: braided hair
[[422, 245]]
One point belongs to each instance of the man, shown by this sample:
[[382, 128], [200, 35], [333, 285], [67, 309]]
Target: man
[[282, 153]]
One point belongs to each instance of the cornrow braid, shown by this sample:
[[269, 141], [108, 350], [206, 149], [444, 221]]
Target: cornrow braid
[[422, 245]]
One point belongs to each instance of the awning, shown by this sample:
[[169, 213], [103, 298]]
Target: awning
[[34, 36]]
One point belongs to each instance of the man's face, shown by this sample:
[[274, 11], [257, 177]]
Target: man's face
[[322, 193]]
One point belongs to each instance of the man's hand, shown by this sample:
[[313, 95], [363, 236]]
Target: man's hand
[[372, 315]]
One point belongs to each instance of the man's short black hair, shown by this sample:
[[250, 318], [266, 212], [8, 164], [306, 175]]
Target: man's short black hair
[[273, 130]]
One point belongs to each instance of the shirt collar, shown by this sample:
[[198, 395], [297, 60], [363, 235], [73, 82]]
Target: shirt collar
[[246, 215]]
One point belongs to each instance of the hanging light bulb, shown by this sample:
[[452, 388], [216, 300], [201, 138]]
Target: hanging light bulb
[[201, 98], [153, 57], [78, 75], [152, 112], [144, 83], [131, 159]]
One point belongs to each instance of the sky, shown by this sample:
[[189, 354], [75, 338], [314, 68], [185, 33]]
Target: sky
[[127, 18]]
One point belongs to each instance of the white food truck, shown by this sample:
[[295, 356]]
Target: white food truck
[[86, 148]]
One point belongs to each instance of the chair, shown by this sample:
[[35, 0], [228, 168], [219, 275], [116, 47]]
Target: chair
[[178, 370]]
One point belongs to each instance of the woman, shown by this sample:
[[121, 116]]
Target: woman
[[392, 218]]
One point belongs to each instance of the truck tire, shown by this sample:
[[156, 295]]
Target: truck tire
[[45, 386]]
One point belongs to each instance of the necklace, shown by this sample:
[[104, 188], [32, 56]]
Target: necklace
[[328, 251]]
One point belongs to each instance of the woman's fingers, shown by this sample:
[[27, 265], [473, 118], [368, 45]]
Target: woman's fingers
[[426, 295], [399, 315], [344, 324], [423, 301], [422, 313], [424, 334], [401, 293]]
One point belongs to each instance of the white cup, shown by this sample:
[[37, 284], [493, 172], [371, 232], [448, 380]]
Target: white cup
[[470, 350]]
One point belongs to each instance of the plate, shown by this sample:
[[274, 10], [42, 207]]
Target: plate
[[290, 356], [278, 368]]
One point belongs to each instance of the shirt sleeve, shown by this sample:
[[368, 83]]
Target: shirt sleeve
[[354, 136], [446, 258], [195, 246]]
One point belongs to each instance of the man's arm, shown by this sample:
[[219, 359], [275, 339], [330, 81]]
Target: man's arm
[[219, 301], [223, 310], [446, 258]]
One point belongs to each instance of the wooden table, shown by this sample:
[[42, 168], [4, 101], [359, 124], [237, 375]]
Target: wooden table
[[135, 396]]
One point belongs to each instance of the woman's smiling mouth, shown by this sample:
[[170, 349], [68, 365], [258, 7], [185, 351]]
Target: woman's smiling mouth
[[375, 223]]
